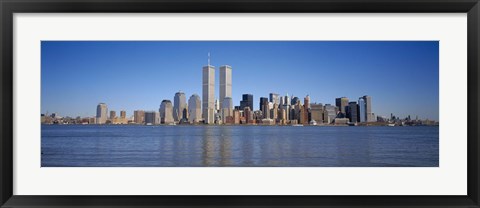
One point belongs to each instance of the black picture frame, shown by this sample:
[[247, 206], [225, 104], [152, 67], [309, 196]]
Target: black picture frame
[[9, 7]]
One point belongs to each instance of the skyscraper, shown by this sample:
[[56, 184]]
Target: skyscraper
[[247, 101], [113, 115], [262, 102], [123, 114], [225, 83], [341, 103], [227, 109], [208, 92], [194, 109], [264, 107], [306, 101], [166, 112], [179, 106], [362, 114], [329, 113], [287, 100], [139, 116], [274, 98], [353, 111], [101, 113], [368, 108]]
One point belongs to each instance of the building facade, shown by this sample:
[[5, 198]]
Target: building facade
[[208, 94], [353, 111], [194, 109], [180, 106], [362, 114], [274, 98], [139, 116], [342, 104], [166, 112], [102, 110], [247, 101], [225, 83], [152, 118]]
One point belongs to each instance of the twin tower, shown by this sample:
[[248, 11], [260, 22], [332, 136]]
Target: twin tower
[[208, 90]]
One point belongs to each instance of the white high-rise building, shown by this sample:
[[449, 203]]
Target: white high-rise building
[[179, 106], [102, 113], [225, 83], [208, 93], [194, 109]]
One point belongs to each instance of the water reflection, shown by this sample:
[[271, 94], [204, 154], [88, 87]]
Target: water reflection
[[238, 146]]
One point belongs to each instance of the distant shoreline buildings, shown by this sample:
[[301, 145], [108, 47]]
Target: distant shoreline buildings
[[274, 110]]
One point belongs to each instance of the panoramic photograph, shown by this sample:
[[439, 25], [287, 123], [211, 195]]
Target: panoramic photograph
[[239, 104]]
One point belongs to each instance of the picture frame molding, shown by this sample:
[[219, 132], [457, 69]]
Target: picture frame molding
[[9, 7]]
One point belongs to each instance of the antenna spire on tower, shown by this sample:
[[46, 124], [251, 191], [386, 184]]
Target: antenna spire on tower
[[208, 58]]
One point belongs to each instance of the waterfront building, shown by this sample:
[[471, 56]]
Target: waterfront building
[[225, 83], [123, 114], [368, 108], [248, 115], [316, 111], [303, 119], [152, 118], [274, 112], [101, 113], [262, 102], [208, 93], [236, 116], [285, 109], [274, 98], [139, 116], [361, 114], [305, 110], [113, 115], [227, 108], [179, 106], [353, 111], [306, 101], [247, 101], [166, 112], [341, 103], [282, 100], [194, 109], [264, 105], [330, 113]]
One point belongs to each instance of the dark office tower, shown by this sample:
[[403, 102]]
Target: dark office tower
[[262, 102], [274, 98], [264, 107], [341, 103], [294, 100], [353, 111], [247, 101]]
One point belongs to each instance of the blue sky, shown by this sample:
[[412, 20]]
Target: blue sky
[[402, 77]]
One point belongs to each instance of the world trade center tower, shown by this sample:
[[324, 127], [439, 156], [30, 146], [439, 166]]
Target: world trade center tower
[[225, 83], [208, 93]]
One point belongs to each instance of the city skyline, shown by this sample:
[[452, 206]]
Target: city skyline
[[294, 79]]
